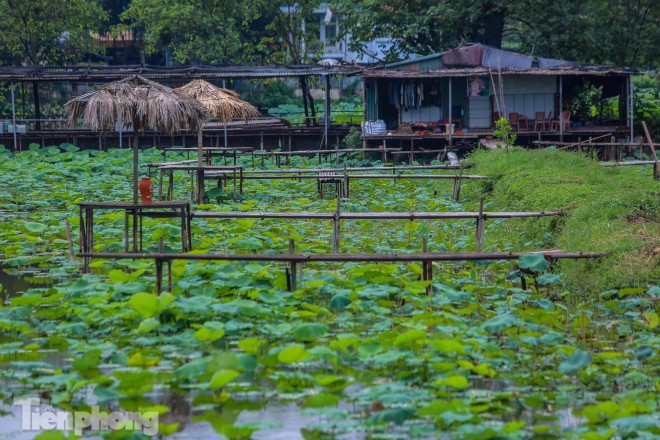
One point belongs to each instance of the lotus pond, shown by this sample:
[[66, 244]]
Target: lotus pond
[[358, 351]]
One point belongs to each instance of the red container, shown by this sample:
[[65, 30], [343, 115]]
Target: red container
[[146, 188]]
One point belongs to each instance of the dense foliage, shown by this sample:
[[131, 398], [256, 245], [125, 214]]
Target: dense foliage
[[358, 348], [47, 31], [621, 32]]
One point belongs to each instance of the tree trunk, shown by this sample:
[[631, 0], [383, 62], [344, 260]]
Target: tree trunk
[[491, 25]]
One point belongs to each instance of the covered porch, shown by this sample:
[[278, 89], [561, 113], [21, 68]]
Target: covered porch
[[462, 93]]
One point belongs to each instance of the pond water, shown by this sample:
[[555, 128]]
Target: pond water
[[14, 283], [286, 418]]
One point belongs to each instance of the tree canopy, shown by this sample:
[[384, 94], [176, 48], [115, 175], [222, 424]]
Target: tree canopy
[[622, 32], [47, 31]]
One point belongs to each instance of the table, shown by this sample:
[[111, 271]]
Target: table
[[134, 212], [209, 152], [200, 171]]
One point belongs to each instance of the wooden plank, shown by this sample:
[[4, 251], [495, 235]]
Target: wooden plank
[[373, 215], [338, 258], [627, 163], [656, 168], [369, 176]]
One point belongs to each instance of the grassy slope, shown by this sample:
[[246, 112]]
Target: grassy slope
[[612, 210]]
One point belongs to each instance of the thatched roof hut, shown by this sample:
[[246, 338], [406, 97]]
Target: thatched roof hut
[[224, 104], [139, 103], [136, 101]]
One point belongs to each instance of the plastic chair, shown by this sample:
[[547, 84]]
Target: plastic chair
[[549, 121], [514, 121], [496, 117], [565, 121], [539, 119]]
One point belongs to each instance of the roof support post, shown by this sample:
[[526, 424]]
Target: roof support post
[[13, 115], [327, 111], [631, 107], [224, 86], [449, 126], [37, 105], [561, 109]]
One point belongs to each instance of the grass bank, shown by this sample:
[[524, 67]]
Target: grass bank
[[615, 210]]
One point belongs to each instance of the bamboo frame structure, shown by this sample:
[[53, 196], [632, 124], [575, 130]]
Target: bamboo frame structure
[[243, 175], [297, 260], [337, 216]]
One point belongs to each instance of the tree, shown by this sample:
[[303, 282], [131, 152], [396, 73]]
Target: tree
[[422, 27], [628, 32], [47, 31], [294, 39], [196, 31], [621, 32]]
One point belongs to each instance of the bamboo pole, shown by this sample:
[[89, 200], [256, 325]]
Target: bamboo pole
[[339, 258], [69, 240], [374, 215], [294, 269], [656, 167], [481, 219]]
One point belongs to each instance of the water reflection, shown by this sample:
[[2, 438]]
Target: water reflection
[[14, 282]]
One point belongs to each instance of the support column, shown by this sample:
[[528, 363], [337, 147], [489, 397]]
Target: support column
[[224, 86], [449, 126], [136, 146], [327, 110], [37, 106], [561, 109], [13, 116], [631, 107]]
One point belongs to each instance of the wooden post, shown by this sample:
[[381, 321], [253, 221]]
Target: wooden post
[[69, 240], [656, 166], [561, 109], [427, 267], [336, 227], [160, 185], [136, 143], [457, 185], [159, 276], [480, 227], [294, 268]]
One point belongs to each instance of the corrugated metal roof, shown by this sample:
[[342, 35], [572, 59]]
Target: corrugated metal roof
[[495, 58], [482, 71], [479, 59], [111, 73], [413, 60]]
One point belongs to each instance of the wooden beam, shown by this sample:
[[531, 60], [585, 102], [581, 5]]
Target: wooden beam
[[656, 167], [373, 215], [338, 258]]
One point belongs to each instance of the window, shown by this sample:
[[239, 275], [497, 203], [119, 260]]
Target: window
[[331, 30]]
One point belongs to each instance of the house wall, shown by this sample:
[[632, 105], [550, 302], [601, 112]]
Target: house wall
[[421, 114], [527, 94], [458, 96]]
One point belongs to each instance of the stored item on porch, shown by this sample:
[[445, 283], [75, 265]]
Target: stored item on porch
[[374, 128]]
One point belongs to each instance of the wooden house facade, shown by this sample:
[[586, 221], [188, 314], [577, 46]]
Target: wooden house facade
[[470, 87]]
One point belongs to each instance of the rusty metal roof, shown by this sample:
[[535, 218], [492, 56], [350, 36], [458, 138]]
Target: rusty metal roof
[[479, 59], [111, 73]]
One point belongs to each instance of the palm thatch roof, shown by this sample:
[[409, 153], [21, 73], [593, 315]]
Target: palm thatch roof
[[224, 104], [138, 101]]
